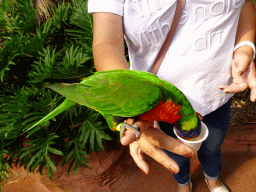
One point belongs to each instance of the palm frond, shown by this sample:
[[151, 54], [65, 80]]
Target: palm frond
[[13, 108], [77, 154], [38, 152], [92, 131]]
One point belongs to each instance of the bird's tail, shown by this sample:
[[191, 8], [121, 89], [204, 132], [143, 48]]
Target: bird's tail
[[66, 104]]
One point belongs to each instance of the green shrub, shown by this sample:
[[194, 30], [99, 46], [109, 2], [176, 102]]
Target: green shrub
[[34, 53]]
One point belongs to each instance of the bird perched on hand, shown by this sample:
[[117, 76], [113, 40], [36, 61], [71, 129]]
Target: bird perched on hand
[[120, 94]]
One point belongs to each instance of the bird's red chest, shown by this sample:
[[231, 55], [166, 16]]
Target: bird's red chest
[[165, 111]]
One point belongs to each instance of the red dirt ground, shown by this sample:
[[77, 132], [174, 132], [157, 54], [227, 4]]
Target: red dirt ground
[[118, 173]]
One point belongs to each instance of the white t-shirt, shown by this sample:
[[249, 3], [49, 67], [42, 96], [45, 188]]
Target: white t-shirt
[[199, 57]]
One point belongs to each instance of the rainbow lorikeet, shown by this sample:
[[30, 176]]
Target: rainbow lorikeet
[[120, 94]]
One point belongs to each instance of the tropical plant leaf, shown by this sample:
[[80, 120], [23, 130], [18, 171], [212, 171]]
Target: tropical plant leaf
[[44, 67], [12, 109], [93, 130], [77, 154], [5, 162], [82, 20], [37, 153], [7, 55], [17, 16]]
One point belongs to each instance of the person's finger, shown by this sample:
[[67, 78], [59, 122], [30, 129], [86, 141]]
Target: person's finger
[[128, 135], [129, 121], [234, 88], [158, 138], [156, 125], [138, 158], [158, 155], [253, 95]]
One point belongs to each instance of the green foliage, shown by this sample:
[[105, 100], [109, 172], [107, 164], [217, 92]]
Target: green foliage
[[32, 55], [89, 133], [78, 155], [13, 108], [17, 16], [4, 164], [93, 129], [37, 154]]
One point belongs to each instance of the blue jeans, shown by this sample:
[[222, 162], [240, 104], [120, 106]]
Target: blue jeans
[[209, 154]]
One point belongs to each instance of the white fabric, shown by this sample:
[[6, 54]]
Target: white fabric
[[199, 57]]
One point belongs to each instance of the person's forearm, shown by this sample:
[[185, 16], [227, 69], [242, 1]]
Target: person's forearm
[[247, 26], [108, 42], [108, 57]]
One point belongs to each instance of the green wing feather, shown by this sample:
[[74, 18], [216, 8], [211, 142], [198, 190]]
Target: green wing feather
[[120, 94]]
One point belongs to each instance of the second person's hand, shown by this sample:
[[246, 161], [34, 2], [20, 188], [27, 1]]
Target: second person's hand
[[243, 73]]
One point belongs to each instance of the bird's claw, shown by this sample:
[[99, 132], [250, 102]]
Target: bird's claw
[[134, 128]]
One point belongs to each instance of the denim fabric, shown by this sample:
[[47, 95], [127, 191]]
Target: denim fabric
[[209, 154]]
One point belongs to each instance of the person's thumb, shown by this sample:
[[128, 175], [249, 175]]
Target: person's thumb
[[242, 62], [252, 81]]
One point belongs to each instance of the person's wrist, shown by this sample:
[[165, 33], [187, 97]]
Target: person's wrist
[[246, 47]]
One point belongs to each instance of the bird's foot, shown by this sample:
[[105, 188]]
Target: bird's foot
[[135, 128]]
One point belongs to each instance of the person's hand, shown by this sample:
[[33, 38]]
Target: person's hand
[[244, 75], [151, 142]]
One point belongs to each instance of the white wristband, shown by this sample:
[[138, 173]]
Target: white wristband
[[246, 43]]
